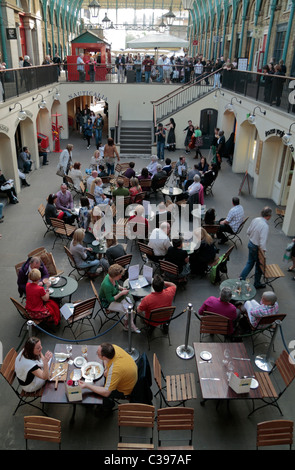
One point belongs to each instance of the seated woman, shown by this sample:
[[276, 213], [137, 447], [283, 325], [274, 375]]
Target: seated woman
[[51, 211], [114, 297], [130, 172], [84, 257], [34, 262], [114, 249], [96, 160], [32, 368], [76, 174], [94, 230], [135, 188], [209, 176], [204, 255], [84, 213], [203, 166], [8, 188], [210, 216], [144, 176], [137, 224], [97, 190], [38, 304]]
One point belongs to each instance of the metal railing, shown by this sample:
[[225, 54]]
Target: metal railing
[[14, 82]]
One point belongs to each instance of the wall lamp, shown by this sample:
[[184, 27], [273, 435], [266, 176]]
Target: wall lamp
[[229, 106], [56, 96], [22, 115], [42, 103], [287, 136], [251, 118]]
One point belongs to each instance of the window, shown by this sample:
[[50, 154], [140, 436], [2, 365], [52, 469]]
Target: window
[[279, 41]]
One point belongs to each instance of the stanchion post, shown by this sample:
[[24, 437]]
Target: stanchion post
[[132, 351], [185, 351], [264, 361], [30, 324]]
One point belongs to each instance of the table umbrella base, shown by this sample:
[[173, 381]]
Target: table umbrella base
[[133, 353], [185, 352], [264, 363]]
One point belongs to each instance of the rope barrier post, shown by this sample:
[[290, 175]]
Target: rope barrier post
[[185, 351], [132, 351], [264, 361], [30, 325]]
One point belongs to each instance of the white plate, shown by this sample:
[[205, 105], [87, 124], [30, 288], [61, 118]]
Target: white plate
[[205, 355], [54, 280], [95, 243], [254, 384], [92, 371], [79, 361], [61, 357]]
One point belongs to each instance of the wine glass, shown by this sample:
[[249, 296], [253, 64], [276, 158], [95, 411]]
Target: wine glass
[[84, 350], [69, 349], [230, 368], [248, 288], [226, 356]]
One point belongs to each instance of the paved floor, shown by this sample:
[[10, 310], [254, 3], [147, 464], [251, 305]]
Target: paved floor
[[222, 429]]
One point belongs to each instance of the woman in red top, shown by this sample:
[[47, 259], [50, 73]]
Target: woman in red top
[[38, 304], [135, 188]]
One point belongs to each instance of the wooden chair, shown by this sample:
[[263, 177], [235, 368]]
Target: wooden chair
[[234, 237], [62, 230], [175, 419], [214, 324], [159, 184], [270, 272], [139, 197], [170, 272], [136, 415], [82, 272], [147, 254], [42, 428], [146, 186], [82, 311], [162, 318], [37, 251], [283, 372], [108, 315], [8, 372], [41, 210], [275, 433], [105, 179], [212, 229], [48, 260], [91, 197], [265, 326], [69, 182], [177, 387], [24, 314]]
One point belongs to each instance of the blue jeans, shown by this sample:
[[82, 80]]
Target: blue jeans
[[160, 150], [1, 210], [98, 137], [147, 77], [138, 76], [111, 169], [160, 77], [252, 260]]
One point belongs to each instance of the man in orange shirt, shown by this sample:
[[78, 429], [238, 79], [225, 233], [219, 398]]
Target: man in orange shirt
[[162, 296]]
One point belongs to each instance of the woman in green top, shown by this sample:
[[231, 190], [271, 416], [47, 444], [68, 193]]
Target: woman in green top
[[198, 142], [114, 297]]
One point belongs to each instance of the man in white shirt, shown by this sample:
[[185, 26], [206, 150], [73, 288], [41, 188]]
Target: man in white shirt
[[153, 165], [258, 233], [232, 221], [160, 69], [159, 240]]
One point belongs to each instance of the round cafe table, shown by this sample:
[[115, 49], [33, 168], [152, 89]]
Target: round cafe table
[[243, 295], [66, 289], [140, 291], [173, 192]]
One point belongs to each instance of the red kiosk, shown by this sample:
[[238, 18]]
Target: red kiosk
[[92, 46]]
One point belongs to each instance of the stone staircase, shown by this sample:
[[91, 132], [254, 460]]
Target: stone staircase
[[136, 138]]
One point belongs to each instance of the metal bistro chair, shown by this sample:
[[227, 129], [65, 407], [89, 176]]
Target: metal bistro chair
[[175, 419], [178, 387], [162, 318], [82, 272], [41, 428], [8, 372], [270, 272], [24, 314], [265, 327], [82, 311], [214, 324], [136, 415], [147, 255], [41, 210], [234, 237]]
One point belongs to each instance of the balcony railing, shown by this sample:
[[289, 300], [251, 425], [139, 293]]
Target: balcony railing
[[14, 82]]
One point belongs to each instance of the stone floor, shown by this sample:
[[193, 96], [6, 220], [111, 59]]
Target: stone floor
[[215, 429]]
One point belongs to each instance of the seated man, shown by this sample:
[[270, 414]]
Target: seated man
[[120, 190], [178, 256], [167, 167], [190, 176], [158, 176], [232, 221], [33, 262], [162, 296], [194, 193], [42, 152], [102, 173], [159, 240], [268, 306], [130, 173], [180, 169], [120, 373], [209, 176], [24, 161], [65, 203], [221, 306]]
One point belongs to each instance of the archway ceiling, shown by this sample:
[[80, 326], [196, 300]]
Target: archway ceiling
[[138, 4]]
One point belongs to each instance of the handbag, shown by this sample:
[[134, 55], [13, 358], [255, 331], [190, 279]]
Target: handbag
[[6, 186]]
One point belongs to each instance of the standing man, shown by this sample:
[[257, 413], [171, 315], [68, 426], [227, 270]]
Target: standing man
[[81, 67], [56, 60], [258, 233], [160, 69], [161, 136], [120, 64], [147, 63], [232, 221]]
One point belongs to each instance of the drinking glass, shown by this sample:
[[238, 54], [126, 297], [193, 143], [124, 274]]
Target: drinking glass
[[84, 350], [230, 368], [248, 288], [226, 356], [69, 349]]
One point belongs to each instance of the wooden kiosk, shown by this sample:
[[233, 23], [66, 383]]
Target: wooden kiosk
[[92, 46]]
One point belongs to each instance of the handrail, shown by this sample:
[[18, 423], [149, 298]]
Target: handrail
[[186, 86], [27, 68], [117, 123]]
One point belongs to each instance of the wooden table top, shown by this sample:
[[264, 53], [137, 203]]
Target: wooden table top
[[219, 389], [50, 395]]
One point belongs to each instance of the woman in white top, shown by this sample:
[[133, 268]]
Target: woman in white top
[[76, 174], [65, 159], [31, 366]]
